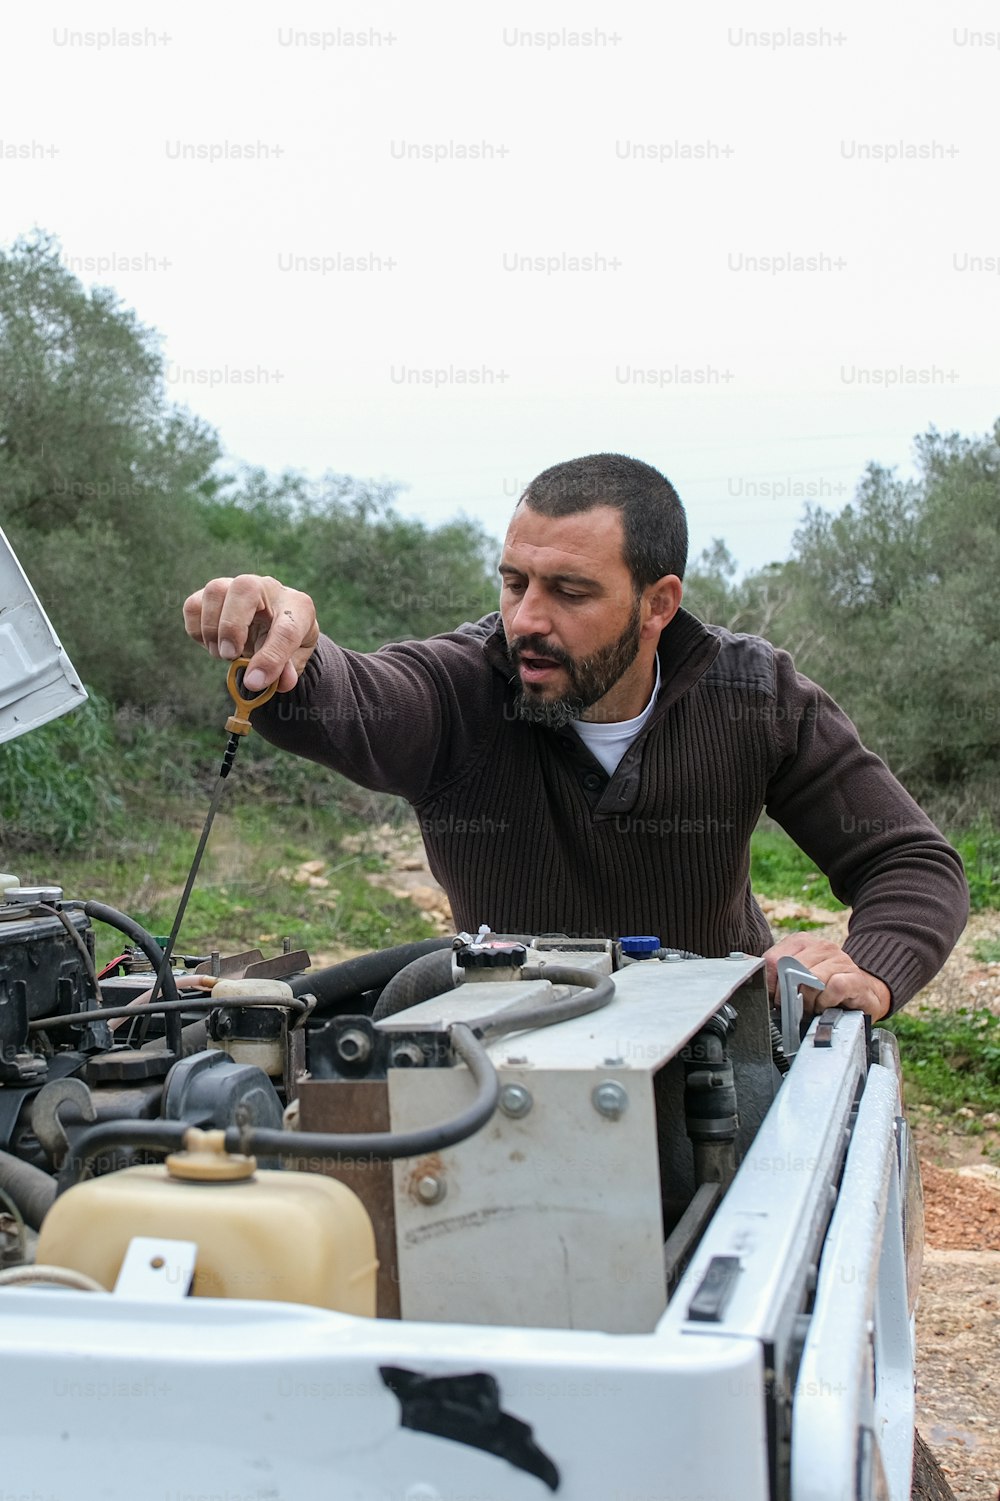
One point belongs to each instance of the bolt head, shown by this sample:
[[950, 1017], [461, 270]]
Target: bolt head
[[354, 1046], [407, 1055], [515, 1101], [610, 1100], [431, 1189]]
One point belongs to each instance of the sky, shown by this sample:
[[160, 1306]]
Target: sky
[[448, 246]]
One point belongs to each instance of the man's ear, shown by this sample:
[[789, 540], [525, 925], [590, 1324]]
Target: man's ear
[[661, 601]]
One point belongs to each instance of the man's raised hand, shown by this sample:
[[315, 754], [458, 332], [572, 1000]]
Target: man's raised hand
[[256, 617]]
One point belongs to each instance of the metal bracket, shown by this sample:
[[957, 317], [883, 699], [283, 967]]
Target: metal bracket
[[157, 1270], [792, 974], [45, 1118]]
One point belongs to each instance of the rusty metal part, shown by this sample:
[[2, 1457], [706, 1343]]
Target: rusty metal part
[[232, 967], [45, 1110], [295, 1064], [278, 967], [251, 965], [359, 1105]]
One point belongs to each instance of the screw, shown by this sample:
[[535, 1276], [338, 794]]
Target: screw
[[610, 1100], [519, 1059], [431, 1190], [515, 1101]]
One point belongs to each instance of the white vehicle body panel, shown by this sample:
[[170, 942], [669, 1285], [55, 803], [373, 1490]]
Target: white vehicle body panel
[[37, 679]]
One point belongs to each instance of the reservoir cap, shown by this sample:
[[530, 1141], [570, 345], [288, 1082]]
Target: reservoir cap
[[640, 946]]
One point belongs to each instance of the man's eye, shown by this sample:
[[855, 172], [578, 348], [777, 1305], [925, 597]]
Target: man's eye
[[568, 594]]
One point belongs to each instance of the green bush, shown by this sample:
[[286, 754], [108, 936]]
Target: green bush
[[59, 785]]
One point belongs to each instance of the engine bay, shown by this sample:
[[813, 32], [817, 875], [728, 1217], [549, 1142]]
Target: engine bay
[[602, 1112]]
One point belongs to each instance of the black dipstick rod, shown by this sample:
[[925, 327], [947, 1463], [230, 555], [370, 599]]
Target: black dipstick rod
[[237, 724]]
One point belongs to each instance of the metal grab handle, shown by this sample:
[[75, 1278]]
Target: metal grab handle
[[792, 974]]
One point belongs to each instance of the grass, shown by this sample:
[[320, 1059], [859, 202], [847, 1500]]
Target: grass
[[979, 848], [779, 869], [251, 891], [952, 1062], [115, 816]]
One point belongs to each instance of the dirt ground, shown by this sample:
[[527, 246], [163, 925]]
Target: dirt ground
[[958, 1316]]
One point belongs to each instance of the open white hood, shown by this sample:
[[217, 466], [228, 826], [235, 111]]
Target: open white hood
[[37, 680]]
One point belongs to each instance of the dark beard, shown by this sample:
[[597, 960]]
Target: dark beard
[[590, 678]]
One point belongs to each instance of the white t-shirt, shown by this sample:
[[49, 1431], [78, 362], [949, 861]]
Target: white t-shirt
[[609, 742]]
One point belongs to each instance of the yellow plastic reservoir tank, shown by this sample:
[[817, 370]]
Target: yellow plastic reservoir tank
[[283, 1236]]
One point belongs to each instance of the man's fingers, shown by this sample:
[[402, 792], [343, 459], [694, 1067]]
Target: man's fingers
[[291, 636], [202, 611], [791, 947], [256, 616], [245, 604]]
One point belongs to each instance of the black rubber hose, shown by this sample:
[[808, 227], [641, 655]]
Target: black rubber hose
[[340, 984], [148, 1136], [420, 980], [383, 1146], [532, 1014], [32, 1190], [139, 935]]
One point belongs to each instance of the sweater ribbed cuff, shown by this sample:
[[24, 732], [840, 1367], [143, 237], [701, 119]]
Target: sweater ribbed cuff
[[888, 960]]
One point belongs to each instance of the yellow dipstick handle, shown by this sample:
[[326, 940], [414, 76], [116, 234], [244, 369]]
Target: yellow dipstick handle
[[239, 723]]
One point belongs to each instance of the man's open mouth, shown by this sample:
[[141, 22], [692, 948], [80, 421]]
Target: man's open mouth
[[532, 667]]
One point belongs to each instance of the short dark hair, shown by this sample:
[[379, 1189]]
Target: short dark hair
[[653, 519]]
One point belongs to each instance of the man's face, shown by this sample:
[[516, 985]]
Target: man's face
[[570, 612]]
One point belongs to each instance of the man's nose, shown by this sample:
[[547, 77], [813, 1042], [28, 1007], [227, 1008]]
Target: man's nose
[[532, 617]]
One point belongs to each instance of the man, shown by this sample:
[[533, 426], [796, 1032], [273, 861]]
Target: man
[[594, 759]]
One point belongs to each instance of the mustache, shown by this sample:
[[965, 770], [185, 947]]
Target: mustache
[[537, 646]]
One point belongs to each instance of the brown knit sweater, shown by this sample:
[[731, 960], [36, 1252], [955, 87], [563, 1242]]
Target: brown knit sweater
[[527, 832]]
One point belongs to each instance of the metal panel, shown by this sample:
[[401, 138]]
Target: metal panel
[[859, 1321], [37, 680], [775, 1212], [554, 1218], [657, 1009], [208, 1393]]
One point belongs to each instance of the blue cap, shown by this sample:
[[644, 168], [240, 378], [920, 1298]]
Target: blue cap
[[640, 945]]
